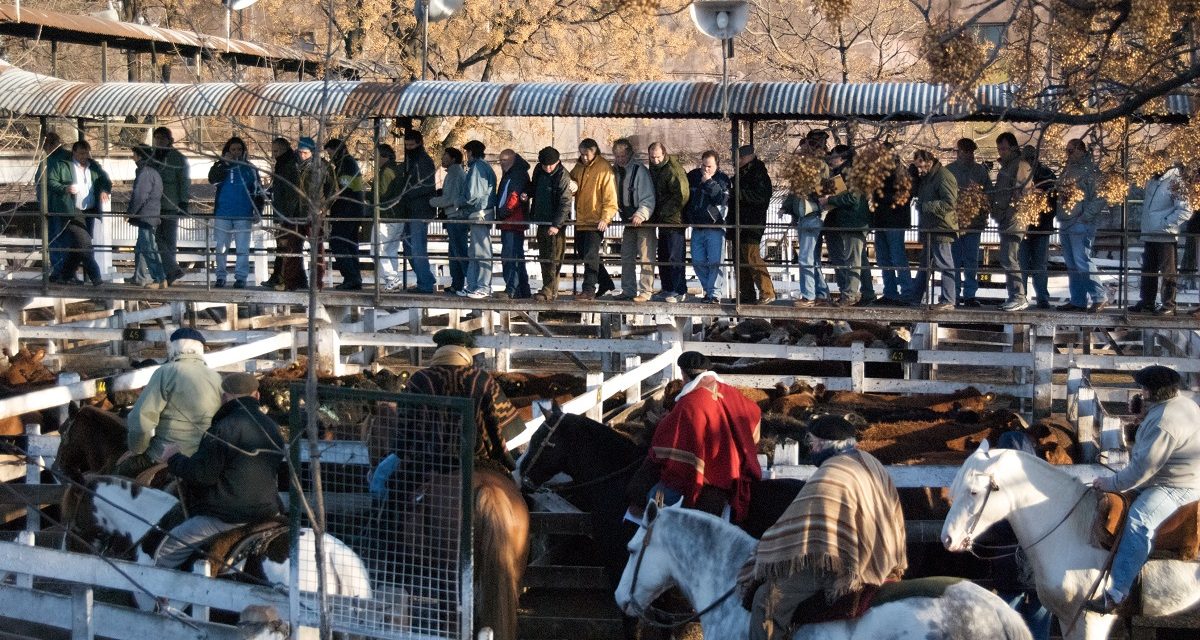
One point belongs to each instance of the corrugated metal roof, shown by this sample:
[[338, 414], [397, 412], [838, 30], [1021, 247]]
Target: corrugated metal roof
[[84, 29], [23, 92]]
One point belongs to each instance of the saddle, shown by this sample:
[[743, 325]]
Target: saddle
[[856, 604], [226, 550], [1178, 538]]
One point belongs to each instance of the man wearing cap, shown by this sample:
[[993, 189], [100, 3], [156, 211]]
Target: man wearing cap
[[316, 186], [176, 407], [550, 194], [232, 478], [1163, 472], [842, 534], [452, 372], [705, 450], [750, 220]]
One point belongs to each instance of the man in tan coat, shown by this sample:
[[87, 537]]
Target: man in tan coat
[[595, 207]]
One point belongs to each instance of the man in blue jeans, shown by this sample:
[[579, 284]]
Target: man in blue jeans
[[970, 175], [706, 209], [1163, 471], [1077, 229], [478, 197]]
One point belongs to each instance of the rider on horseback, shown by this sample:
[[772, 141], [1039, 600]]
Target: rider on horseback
[[705, 450], [1164, 471], [176, 407], [232, 479], [844, 532], [452, 372]]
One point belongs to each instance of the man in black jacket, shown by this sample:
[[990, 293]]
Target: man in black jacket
[[753, 199], [551, 194], [232, 478], [415, 209], [346, 215]]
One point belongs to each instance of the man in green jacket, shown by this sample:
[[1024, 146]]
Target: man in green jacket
[[76, 191], [671, 193], [937, 194], [177, 191], [176, 407], [52, 146], [847, 222]]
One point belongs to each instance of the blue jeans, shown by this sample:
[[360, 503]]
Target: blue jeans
[[237, 231], [479, 269], [1149, 509], [890, 256], [57, 239], [671, 267], [148, 265], [808, 243], [1027, 603], [512, 263], [1076, 239], [707, 247], [936, 256], [458, 245], [966, 258], [416, 249], [1035, 248]]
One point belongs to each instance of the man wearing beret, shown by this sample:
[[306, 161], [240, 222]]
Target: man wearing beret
[[452, 372], [842, 534], [1163, 472], [705, 450], [176, 407], [232, 479]]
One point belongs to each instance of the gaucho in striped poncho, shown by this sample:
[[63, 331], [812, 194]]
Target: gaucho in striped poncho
[[843, 532], [452, 372]]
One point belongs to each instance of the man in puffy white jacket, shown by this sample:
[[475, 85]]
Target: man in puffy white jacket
[[1164, 209]]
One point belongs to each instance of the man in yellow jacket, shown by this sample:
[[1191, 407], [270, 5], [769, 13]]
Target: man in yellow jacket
[[595, 207]]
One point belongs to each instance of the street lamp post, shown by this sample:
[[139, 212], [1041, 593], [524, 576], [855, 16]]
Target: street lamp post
[[723, 20], [432, 10]]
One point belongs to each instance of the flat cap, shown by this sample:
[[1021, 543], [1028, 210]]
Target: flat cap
[[832, 427], [239, 384], [1157, 377], [745, 150], [548, 155], [188, 333], [454, 337]]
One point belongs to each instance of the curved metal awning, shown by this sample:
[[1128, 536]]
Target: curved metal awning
[[26, 93]]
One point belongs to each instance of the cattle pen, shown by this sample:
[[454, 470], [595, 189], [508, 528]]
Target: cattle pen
[[1045, 362]]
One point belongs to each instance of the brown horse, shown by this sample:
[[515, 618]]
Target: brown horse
[[501, 543], [91, 442]]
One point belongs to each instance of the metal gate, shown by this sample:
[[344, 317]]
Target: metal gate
[[395, 482]]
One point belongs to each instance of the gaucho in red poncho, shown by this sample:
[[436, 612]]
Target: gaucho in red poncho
[[706, 447]]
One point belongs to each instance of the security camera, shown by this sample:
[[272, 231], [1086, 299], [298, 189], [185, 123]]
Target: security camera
[[720, 19]]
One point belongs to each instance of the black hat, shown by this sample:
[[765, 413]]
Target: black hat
[[187, 333], [832, 427], [414, 135], [455, 337], [745, 150], [1156, 377], [548, 156], [693, 362]]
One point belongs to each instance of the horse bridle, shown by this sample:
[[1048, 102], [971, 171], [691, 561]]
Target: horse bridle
[[673, 619], [537, 453], [1012, 548]]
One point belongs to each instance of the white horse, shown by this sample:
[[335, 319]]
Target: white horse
[[1051, 513], [701, 554], [127, 512]]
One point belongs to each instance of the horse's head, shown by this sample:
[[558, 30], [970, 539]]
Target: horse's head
[[546, 455], [649, 571], [119, 512], [91, 440], [976, 499]]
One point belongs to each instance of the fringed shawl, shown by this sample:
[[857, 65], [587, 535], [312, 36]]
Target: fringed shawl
[[845, 521]]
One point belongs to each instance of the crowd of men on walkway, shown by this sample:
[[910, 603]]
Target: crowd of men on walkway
[[656, 204]]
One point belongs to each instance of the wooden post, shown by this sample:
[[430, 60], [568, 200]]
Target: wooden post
[[1074, 381], [1043, 369], [1085, 426], [203, 568], [633, 393], [83, 626], [594, 380], [858, 355]]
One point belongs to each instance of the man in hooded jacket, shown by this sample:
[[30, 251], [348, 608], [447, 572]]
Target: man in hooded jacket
[[550, 194], [511, 209]]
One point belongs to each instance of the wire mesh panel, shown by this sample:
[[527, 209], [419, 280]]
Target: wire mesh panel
[[395, 480]]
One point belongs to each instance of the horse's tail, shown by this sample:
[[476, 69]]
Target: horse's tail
[[1013, 625], [501, 549]]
